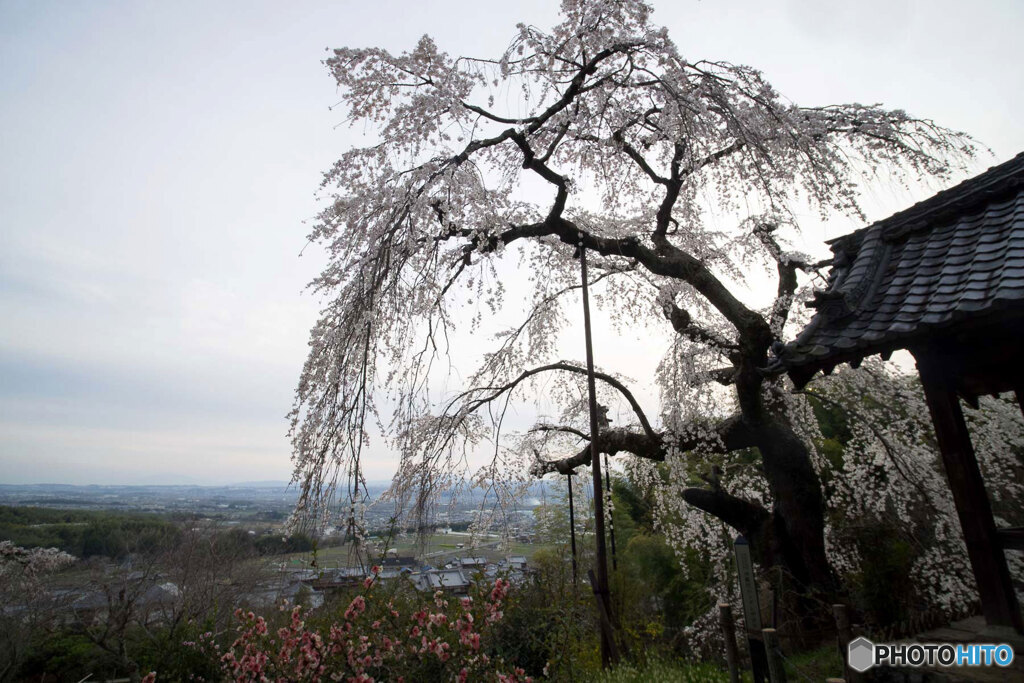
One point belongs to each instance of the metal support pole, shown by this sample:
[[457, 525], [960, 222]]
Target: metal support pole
[[572, 528], [611, 515], [601, 585]]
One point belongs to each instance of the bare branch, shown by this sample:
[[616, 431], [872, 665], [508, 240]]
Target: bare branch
[[560, 428], [497, 391]]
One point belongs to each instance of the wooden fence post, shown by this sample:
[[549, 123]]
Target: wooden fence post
[[844, 635], [732, 656], [776, 670]]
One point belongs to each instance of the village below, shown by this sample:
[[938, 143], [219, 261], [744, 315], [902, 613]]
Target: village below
[[97, 522]]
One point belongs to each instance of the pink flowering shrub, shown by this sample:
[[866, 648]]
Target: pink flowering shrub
[[373, 640]]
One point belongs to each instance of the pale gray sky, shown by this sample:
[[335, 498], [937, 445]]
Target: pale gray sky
[[157, 161]]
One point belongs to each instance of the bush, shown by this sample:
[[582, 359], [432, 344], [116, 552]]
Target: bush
[[373, 640]]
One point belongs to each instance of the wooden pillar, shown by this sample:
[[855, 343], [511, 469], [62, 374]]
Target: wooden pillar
[[998, 600]]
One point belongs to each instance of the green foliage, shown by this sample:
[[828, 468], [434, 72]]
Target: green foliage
[[66, 655], [833, 421], [84, 533], [282, 545], [637, 505], [532, 629], [884, 588], [177, 653], [655, 597]]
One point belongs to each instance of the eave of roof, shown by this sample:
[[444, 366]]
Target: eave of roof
[[952, 260]]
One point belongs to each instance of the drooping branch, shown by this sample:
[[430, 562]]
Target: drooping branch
[[513, 335], [886, 445], [564, 429]]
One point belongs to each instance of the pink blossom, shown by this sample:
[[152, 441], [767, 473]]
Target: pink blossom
[[357, 607]]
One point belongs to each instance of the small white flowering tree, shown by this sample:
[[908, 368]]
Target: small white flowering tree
[[25, 602], [679, 177]]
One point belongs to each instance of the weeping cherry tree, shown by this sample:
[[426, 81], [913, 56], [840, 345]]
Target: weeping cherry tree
[[682, 179]]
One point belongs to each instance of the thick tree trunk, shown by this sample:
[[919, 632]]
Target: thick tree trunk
[[797, 539], [791, 535], [788, 542]]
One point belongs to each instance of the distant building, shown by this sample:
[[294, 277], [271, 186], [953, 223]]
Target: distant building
[[341, 577], [399, 562], [290, 592], [451, 581], [473, 563]]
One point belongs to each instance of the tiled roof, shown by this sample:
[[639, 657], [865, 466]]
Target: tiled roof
[[956, 257]]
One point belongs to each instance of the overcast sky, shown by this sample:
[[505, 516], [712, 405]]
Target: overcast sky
[[158, 161]]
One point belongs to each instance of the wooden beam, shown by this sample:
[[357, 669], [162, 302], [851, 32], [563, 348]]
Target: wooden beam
[[984, 547]]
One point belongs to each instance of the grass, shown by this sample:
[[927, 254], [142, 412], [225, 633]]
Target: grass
[[664, 671], [815, 665]]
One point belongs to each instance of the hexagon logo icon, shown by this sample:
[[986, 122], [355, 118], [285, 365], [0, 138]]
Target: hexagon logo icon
[[861, 654]]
